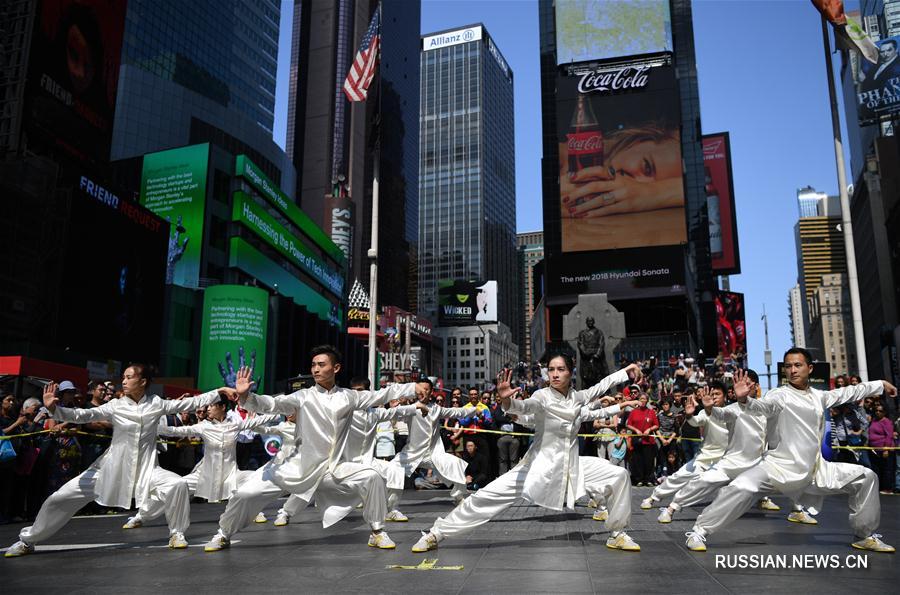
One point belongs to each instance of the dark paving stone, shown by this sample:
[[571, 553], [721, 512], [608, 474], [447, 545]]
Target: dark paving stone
[[525, 550]]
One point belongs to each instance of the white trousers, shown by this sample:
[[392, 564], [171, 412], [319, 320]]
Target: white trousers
[[167, 489], [739, 496], [673, 483], [293, 505], [457, 490], [479, 508], [254, 494], [154, 508]]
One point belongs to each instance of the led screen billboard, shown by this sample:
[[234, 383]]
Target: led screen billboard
[[73, 76], [235, 319], [621, 274], [620, 166], [465, 303], [878, 85], [731, 323], [173, 185], [602, 29], [723, 236]]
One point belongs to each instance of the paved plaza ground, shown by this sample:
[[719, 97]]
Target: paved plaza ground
[[525, 550]]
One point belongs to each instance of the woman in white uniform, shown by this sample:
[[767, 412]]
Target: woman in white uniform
[[550, 474], [127, 469]]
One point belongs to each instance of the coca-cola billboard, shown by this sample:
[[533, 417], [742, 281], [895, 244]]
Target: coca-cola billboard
[[723, 235], [620, 168]]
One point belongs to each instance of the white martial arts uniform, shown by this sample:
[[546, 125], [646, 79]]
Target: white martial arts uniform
[[551, 473], [315, 466], [715, 441], [126, 470], [746, 445], [424, 448], [795, 466], [216, 476]]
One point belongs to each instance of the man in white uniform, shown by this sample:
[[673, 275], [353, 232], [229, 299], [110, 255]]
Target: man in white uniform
[[550, 474], [216, 476], [127, 469], [715, 441], [424, 447], [795, 466], [324, 414]]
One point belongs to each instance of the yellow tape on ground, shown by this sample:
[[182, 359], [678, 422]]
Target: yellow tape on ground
[[426, 564]]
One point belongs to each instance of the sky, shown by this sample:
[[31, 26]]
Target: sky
[[765, 85]]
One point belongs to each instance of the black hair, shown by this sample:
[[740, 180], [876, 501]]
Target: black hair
[[426, 380], [799, 351], [754, 377], [718, 384], [330, 350], [360, 381], [890, 41], [566, 357], [145, 371]]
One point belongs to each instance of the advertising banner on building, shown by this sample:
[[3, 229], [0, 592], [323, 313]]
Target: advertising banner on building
[[621, 274], [235, 319], [339, 222], [603, 29], [464, 303], [392, 316], [731, 325], [173, 185], [723, 234], [878, 85], [74, 75], [620, 167]]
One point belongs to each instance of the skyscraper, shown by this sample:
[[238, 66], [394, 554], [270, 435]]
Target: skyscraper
[[467, 200], [531, 252]]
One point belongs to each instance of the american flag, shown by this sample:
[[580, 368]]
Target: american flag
[[356, 86]]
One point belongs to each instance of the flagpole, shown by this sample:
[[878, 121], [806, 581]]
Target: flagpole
[[373, 250], [862, 365]]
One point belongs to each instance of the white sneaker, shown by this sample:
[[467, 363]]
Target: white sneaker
[[218, 542], [381, 541], [395, 516], [19, 548], [260, 518], [426, 543], [592, 503], [767, 504], [177, 541], [801, 516], [696, 542], [134, 522], [622, 542], [601, 514], [282, 519], [665, 515], [647, 503], [872, 543]]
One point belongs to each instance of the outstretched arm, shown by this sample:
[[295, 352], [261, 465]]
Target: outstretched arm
[[366, 398], [74, 415], [632, 371], [286, 404], [851, 394]]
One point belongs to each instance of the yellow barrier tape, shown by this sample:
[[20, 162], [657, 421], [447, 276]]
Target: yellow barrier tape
[[80, 433], [426, 564]]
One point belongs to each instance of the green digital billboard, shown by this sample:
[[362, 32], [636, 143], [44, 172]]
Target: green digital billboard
[[235, 319], [173, 185], [264, 225]]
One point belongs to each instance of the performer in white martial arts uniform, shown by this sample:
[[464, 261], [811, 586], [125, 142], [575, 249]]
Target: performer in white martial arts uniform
[[127, 469], [746, 445], [216, 476], [715, 441], [550, 474], [287, 431], [424, 447], [795, 466], [324, 413]]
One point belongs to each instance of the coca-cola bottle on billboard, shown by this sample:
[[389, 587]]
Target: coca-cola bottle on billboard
[[585, 138], [715, 217]]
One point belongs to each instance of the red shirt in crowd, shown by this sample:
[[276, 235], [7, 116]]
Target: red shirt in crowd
[[643, 418]]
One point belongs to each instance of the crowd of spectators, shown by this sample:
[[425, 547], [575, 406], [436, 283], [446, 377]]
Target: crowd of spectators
[[652, 440]]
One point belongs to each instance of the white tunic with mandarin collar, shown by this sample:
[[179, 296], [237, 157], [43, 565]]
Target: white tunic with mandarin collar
[[217, 471], [796, 462], [323, 421], [554, 479], [124, 470], [747, 438]]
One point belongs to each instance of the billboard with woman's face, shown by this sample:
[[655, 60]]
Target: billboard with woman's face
[[620, 168]]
